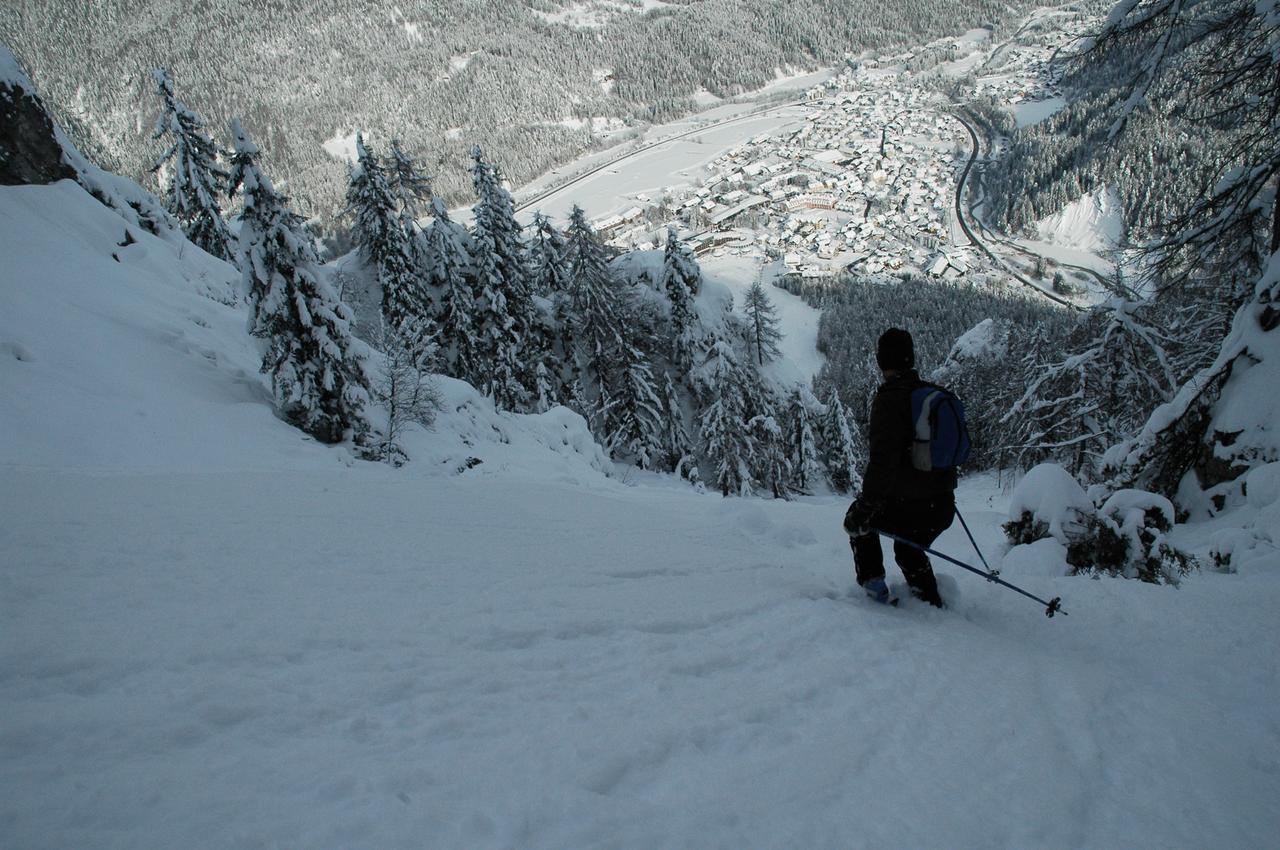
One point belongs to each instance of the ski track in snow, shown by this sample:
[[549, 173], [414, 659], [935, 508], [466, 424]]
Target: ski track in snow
[[359, 659]]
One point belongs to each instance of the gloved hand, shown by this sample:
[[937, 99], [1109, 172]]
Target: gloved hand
[[857, 520]]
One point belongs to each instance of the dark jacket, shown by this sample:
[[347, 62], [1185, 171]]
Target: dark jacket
[[889, 475]]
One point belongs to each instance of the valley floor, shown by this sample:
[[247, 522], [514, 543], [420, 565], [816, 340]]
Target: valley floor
[[359, 658]]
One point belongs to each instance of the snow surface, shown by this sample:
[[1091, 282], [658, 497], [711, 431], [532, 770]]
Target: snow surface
[[459, 62], [800, 359], [1030, 112], [594, 14], [341, 147], [216, 628], [672, 165], [681, 151], [1092, 223], [11, 72], [982, 340]]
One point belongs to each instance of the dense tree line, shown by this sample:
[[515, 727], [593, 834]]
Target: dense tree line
[[1155, 168], [531, 318], [1174, 106], [437, 76], [857, 310]]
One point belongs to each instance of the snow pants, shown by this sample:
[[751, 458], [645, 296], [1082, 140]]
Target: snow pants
[[917, 520]]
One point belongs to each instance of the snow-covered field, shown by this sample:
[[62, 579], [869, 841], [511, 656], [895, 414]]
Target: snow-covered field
[[1030, 112], [1092, 223], [217, 633], [679, 162], [336, 657], [1084, 233], [671, 165]]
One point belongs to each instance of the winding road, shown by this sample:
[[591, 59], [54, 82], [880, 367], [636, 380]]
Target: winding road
[[982, 245], [969, 232]]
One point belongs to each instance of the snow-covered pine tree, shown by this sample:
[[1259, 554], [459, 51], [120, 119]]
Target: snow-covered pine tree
[[549, 279], [767, 459], [762, 328], [411, 186], [633, 418], [563, 349], [545, 395], [803, 423], [447, 273], [547, 271], [1138, 376], [681, 280], [372, 204], [196, 180], [384, 244], [842, 451], [677, 449], [504, 311], [727, 442], [771, 465], [598, 332], [318, 372], [412, 189], [1114, 374], [1055, 417]]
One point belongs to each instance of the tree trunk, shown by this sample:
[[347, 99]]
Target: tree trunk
[[1275, 219]]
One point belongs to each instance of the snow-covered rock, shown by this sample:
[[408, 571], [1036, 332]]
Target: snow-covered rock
[[29, 148]]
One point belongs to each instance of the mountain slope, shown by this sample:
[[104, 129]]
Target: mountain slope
[[441, 76], [216, 631]]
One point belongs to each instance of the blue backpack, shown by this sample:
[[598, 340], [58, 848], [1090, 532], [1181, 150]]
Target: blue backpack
[[941, 438]]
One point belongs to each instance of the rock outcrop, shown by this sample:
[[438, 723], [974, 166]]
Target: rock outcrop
[[29, 148]]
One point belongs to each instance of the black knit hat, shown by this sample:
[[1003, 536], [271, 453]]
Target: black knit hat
[[895, 350]]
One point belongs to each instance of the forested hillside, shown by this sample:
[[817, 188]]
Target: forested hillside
[[1174, 105], [1177, 141], [439, 76]]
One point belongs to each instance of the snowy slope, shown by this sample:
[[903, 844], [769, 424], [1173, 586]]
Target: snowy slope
[[216, 633], [799, 359], [1090, 223], [352, 658], [126, 357], [137, 358]]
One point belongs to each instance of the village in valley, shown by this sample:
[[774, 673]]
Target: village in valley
[[867, 183]]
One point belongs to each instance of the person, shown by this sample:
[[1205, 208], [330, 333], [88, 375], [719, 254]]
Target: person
[[896, 497]]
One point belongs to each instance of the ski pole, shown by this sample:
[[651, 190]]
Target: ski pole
[[981, 557], [1053, 606]]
